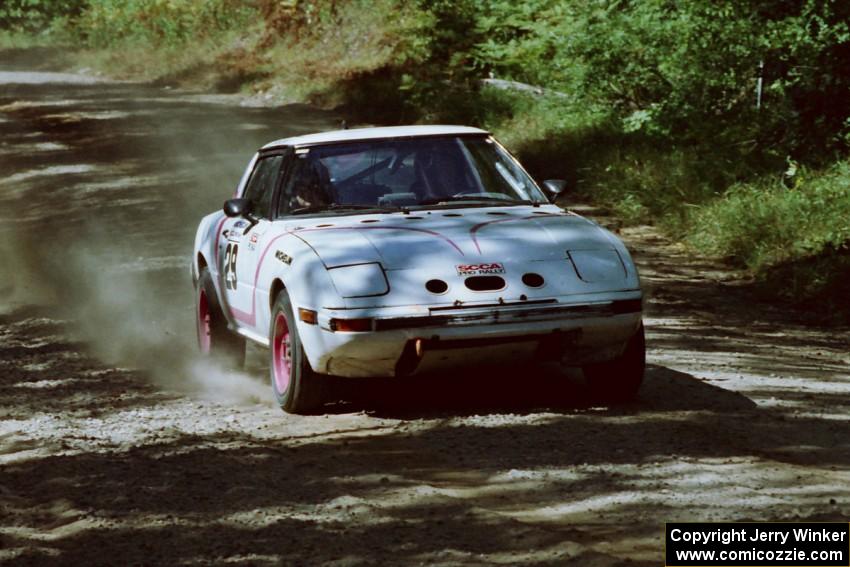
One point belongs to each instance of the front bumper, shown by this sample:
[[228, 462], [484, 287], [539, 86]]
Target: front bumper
[[417, 339]]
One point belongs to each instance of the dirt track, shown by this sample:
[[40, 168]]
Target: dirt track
[[117, 447]]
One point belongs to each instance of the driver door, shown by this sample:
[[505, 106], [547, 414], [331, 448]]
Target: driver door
[[245, 240]]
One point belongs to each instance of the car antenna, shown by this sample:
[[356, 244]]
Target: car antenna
[[343, 125]]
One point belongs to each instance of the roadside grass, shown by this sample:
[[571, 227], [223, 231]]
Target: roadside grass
[[35, 52], [766, 223], [209, 45], [225, 63], [231, 46], [10, 39], [796, 240], [355, 39]]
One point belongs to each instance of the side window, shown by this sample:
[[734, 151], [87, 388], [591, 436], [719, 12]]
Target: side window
[[261, 186]]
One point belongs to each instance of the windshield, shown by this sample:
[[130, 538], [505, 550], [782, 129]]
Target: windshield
[[466, 171]]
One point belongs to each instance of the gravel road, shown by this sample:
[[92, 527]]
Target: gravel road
[[119, 447]]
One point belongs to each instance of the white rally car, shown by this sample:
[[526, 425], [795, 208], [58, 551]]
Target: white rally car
[[396, 251]]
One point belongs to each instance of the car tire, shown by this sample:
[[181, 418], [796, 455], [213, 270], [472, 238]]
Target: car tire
[[618, 380], [214, 338], [297, 387]]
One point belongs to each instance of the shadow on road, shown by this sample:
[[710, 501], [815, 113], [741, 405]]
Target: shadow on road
[[425, 482], [415, 492], [523, 390]]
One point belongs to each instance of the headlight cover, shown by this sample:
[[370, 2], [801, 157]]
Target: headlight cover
[[360, 280], [594, 266]]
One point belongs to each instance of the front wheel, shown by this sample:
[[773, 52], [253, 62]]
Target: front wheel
[[297, 387], [214, 338], [618, 380]]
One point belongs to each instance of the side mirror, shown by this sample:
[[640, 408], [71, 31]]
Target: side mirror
[[237, 207], [554, 187]]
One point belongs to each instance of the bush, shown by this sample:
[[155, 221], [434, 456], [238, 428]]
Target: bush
[[795, 240], [37, 15], [763, 224], [109, 23]]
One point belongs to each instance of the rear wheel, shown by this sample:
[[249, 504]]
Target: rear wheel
[[297, 387], [618, 380], [214, 338]]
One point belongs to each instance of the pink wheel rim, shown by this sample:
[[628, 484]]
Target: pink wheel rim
[[204, 326], [282, 353]]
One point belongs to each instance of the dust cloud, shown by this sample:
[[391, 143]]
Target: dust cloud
[[102, 186], [139, 312]]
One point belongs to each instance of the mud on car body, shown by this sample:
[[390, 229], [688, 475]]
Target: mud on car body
[[397, 251]]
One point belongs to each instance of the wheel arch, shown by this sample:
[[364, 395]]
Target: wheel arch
[[275, 289], [204, 247], [200, 262]]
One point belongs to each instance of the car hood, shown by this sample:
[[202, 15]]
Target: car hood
[[462, 236]]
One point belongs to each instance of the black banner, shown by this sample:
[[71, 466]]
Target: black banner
[[744, 544]]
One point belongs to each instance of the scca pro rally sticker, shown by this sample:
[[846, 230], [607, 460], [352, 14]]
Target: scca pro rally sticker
[[480, 269]]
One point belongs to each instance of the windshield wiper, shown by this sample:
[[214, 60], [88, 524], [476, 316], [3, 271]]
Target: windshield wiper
[[486, 198], [339, 207]]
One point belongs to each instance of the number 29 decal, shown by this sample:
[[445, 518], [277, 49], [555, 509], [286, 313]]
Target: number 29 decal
[[230, 265]]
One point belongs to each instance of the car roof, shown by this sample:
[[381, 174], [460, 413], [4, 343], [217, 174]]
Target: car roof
[[356, 134]]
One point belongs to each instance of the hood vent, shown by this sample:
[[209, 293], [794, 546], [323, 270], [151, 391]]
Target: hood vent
[[436, 286], [485, 283], [533, 280]]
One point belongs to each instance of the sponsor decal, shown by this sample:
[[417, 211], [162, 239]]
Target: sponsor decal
[[252, 242], [483, 269], [283, 257], [234, 233]]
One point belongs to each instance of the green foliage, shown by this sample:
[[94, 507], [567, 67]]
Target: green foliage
[[688, 70], [795, 240], [681, 72], [630, 209], [106, 23], [765, 223], [36, 15]]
